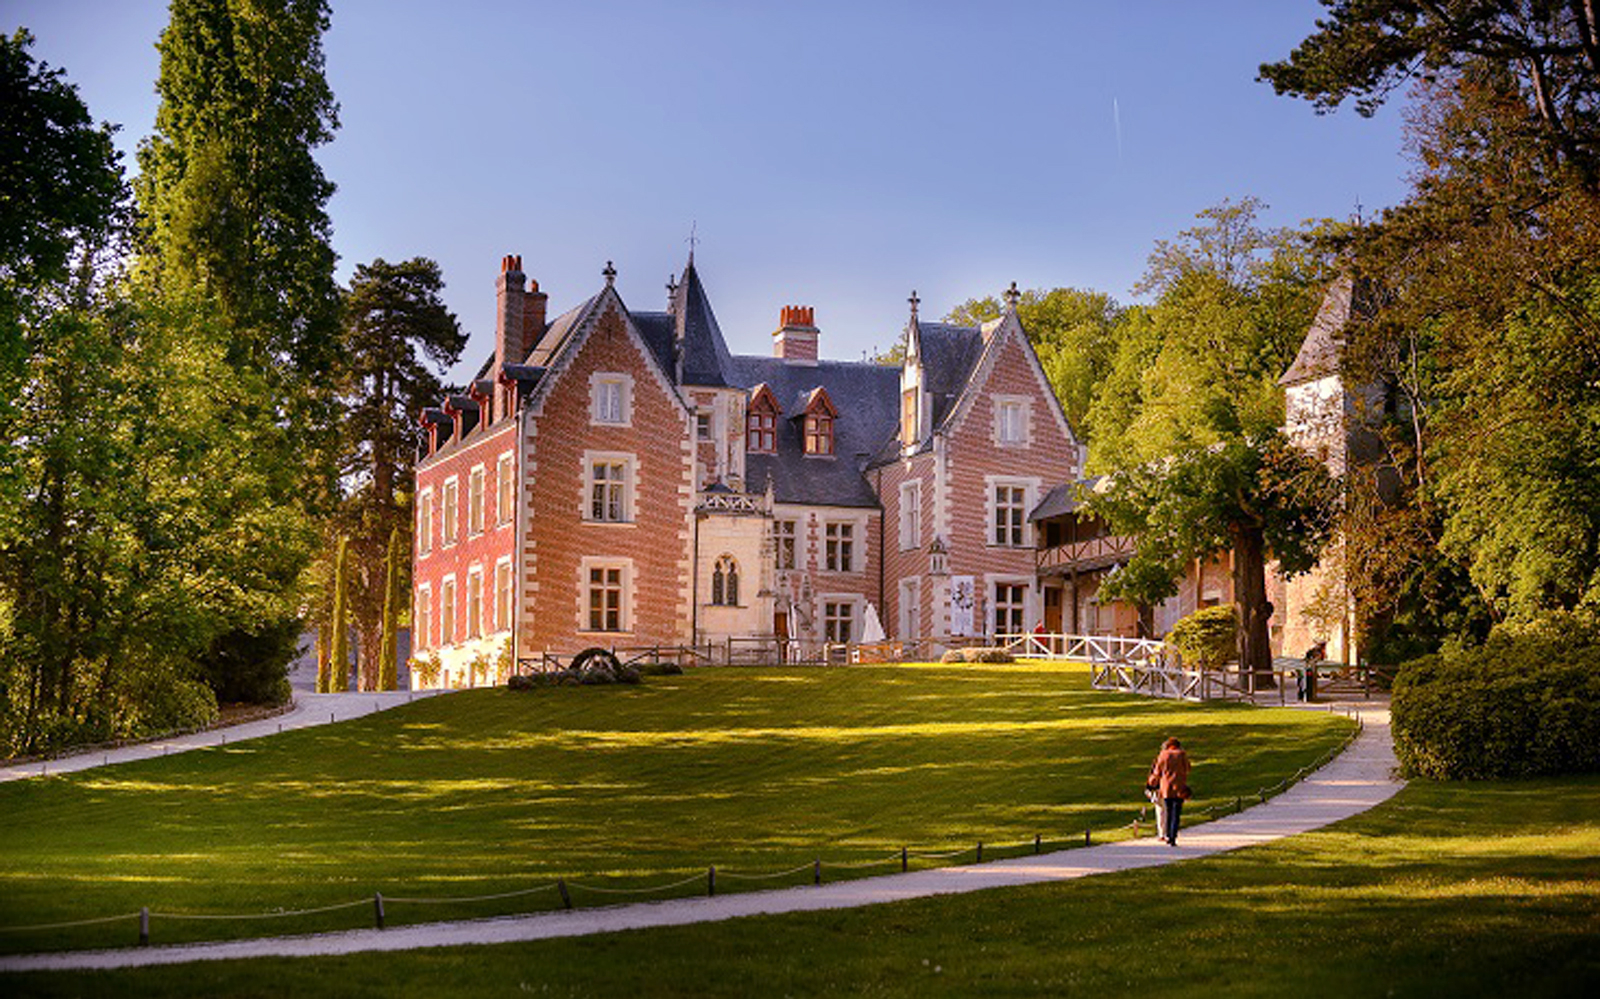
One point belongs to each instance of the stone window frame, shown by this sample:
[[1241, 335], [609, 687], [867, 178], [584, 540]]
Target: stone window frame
[[785, 544], [839, 542], [830, 618], [424, 616], [425, 522], [725, 581], [505, 483], [624, 589], [450, 512], [505, 594], [602, 412], [1019, 532], [477, 486], [1004, 432], [474, 601], [447, 610], [1021, 610], [628, 486], [910, 515]]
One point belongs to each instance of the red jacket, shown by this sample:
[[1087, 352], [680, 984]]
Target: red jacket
[[1170, 772]]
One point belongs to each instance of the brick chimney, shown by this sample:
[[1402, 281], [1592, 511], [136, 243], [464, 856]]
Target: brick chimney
[[796, 337], [510, 299], [534, 306]]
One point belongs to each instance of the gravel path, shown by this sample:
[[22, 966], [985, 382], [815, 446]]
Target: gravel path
[[1357, 780]]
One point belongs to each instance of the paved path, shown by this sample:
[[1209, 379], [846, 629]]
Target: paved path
[[308, 710], [1360, 778]]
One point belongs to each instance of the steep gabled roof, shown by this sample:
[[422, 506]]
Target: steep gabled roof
[[949, 355], [562, 330], [705, 356], [1320, 352]]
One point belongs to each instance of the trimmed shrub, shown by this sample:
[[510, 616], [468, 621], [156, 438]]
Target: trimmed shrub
[[952, 656], [660, 669], [977, 655], [1208, 637], [1525, 703]]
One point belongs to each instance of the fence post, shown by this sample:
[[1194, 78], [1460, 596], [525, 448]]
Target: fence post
[[144, 926], [377, 907], [980, 853], [816, 871], [711, 880], [1035, 842], [903, 860], [566, 899], [1086, 836]]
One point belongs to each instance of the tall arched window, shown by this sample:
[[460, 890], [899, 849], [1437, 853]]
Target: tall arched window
[[725, 582]]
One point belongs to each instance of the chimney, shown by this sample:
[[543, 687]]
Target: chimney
[[509, 332], [796, 338], [534, 306]]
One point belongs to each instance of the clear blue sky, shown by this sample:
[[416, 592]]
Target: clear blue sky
[[832, 154]]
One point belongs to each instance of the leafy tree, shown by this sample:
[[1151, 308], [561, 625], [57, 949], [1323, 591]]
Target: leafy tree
[[339, 641], [393, 597], [1074, 333], [231, 198], [1187, 421], [397, 334], [1549, 51]]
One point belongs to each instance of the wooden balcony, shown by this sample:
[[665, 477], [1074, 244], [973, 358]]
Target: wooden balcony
[[1084, 556]]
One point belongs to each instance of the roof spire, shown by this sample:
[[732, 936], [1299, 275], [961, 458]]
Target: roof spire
[[610, 274], [1013, 296], [693, 239], [915, 301]]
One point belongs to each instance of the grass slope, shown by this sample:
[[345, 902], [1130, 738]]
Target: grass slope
[[1464, 890], [489, 791]]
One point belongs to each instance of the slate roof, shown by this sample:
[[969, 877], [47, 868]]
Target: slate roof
[[867, 397], [706, 360], [559, 332], [1063, 499], [1324, 342], [949, 356]]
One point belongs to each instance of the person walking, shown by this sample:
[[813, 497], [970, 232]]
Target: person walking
[[1170, 776]]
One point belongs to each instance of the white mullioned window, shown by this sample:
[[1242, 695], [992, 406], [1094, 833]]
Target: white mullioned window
[[1010, 602], [1008, 501], [447, 611], [505, 482], [610, 489], [839, 546], [425, 522], [910, 609], [450, 508], [838, 621], [424, 617], [505, 592], [474, 602], [1011, 420], [611, 398], [475, 501], [910, 515], [725, 582], [607, 602]]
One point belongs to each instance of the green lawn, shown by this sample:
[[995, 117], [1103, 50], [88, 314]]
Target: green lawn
[[1489, 889], [753, 770]]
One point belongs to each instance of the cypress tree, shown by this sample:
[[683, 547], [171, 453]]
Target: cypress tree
[[323, 659], [388, 678], [339, 666]]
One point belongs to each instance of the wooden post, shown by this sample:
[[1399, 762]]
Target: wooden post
[[566, 899], [711, 880], [144, 926], [816, 871], [903, 860], [1086, 836], [1035, 842], [377, 907], [980, 852]]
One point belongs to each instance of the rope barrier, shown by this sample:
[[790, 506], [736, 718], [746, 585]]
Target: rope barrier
[[692, 879], [763, 877], [66, 926], [262, 915], [470, 898]]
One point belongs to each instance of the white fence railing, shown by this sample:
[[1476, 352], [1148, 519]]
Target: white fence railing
[[1083, 648]]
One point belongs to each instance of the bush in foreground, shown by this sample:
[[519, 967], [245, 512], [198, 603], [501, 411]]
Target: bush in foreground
[[1524, 703], [977, 655], [1208, 637]]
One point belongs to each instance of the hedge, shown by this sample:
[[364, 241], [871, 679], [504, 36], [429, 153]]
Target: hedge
[[1208, 637], [1525, 703]]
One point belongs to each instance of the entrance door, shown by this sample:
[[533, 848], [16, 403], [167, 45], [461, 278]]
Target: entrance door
[[780, 631], [1052, 610]]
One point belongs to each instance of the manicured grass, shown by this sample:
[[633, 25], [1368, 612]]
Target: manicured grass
[[1488, 889], [753, 770]]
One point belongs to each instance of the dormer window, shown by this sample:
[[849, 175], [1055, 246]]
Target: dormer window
[[761, 423], [908, 418], [610, 399], [819, 419]]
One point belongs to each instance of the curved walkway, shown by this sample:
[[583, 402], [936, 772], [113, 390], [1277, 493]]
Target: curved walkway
[[308, 710], [1361, 777]]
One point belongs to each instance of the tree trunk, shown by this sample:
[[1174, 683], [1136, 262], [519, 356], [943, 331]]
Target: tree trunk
[[1250, 594]]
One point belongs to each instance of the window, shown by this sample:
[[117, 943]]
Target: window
[[838, 621], [784, 531], [608, 490], [447, 612], [1010, 511], [425, 522], [451, 503], [910, 608], [839, 550], [763, 432], [1011, 421], [819, 434], [475, 502], [610, 402], [504, 594], [424, 618], [505, 490], [909, 435], [605, 598], [702, 426], [725, 582], [910, 516], [1010, 606], [474, 602]]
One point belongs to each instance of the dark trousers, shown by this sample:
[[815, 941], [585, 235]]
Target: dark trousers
[[1174, 810]]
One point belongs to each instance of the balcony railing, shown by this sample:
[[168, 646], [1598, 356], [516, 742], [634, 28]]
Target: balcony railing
[[1093, 553], [739, 503]]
